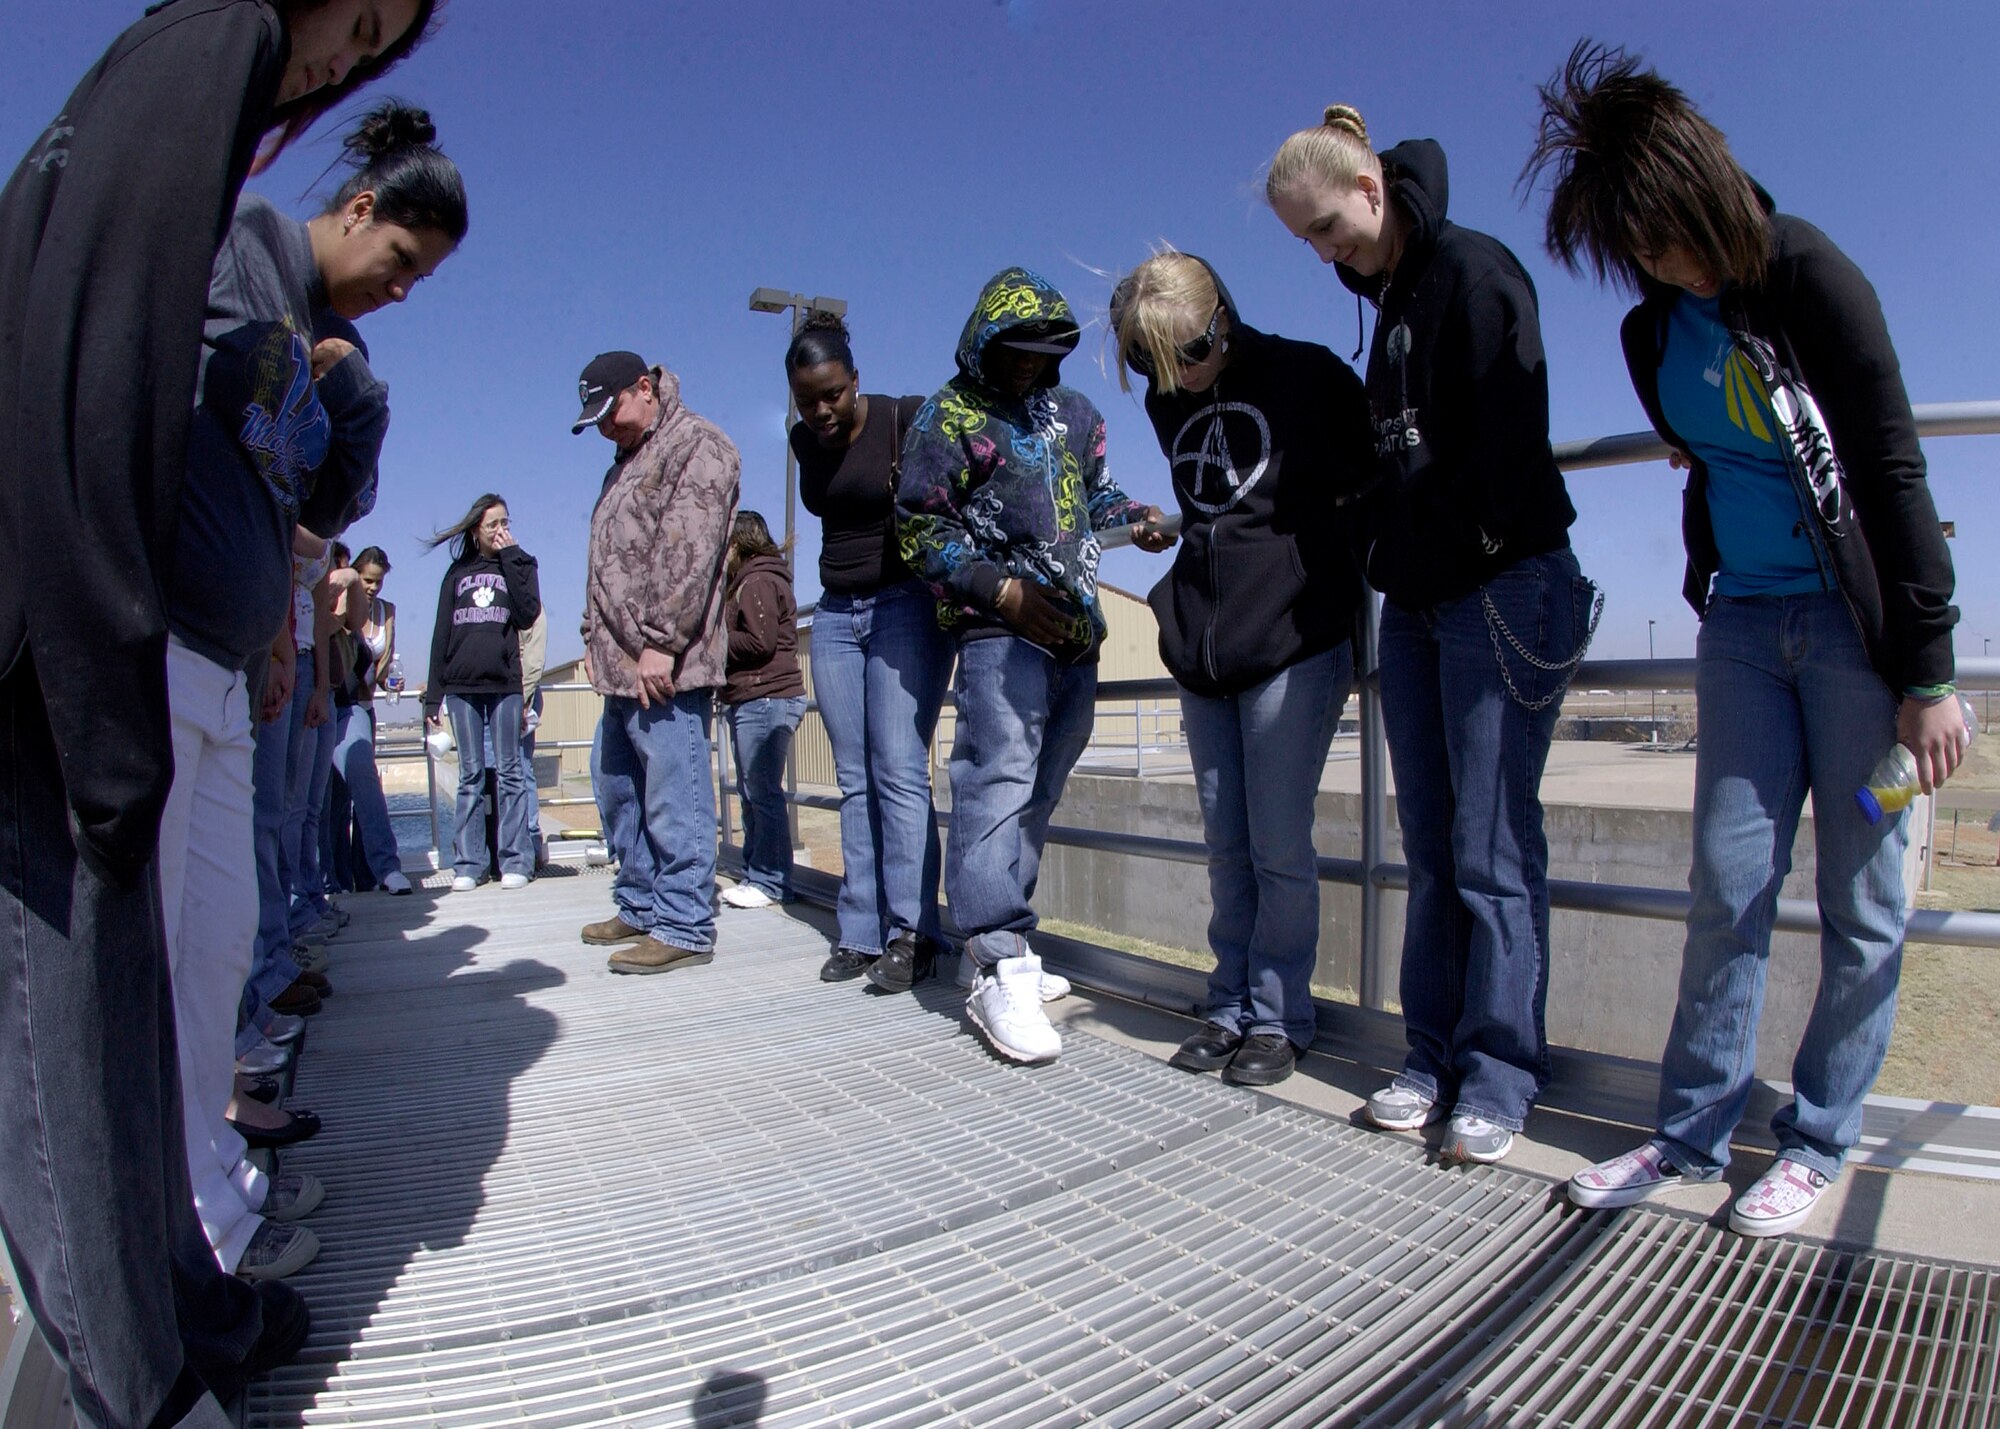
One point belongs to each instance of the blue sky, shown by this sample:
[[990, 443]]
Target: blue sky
[[635, 170]]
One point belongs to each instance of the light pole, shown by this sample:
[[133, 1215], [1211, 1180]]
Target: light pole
[[1986, 649], [777, 300], [1654, 723]]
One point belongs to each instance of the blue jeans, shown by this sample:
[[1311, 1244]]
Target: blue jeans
[[1788, 703], [354, 761], [272, 969], [473, 717], [1258, 756], [879, 670], [95, 1200], [656, 795], [760, 731], [1023, 721], [1467, 756], [309, 786]]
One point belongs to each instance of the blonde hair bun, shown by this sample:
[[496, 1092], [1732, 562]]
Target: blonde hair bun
[[1347, 119]]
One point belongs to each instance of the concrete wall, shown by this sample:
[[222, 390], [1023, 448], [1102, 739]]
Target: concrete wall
[[1612, 981]]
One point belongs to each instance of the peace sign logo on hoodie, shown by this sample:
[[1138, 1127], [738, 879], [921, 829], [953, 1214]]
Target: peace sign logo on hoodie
[[1206, 466]]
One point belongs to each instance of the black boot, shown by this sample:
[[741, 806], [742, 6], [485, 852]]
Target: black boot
[[1207, 1050], [1264, 1058], [907, 961]]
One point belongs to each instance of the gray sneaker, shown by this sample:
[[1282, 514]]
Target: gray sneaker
[[1399, 1109], [1473, 1138], [277, 1250], [293, 1196]]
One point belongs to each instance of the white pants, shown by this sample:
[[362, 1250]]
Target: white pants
[[208, 889]]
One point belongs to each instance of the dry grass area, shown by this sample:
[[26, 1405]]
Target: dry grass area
[[1947, 1042]]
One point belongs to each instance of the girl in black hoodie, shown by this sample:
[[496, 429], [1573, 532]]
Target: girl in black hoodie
[[488, 598], [1484, 613], [1818, 567], [1268, 441]]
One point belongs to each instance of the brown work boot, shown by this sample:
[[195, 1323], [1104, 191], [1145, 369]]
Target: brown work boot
[[612, 930], [654, 956]]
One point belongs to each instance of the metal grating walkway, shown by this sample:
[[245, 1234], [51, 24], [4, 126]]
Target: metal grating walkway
[[736, 1196]]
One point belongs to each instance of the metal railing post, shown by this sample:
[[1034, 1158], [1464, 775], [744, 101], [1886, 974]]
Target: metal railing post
[[725, 745], [1374, 806], [431, 783]]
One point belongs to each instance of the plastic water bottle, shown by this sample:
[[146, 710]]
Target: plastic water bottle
[[1894, 783], [393, 681]]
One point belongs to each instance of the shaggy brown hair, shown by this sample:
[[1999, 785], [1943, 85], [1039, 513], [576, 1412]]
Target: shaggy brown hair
[[1636, 169]]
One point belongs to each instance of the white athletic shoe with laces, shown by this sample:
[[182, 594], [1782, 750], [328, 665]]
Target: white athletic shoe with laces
[[747, 895], [1006, 1005], [1055, 987]]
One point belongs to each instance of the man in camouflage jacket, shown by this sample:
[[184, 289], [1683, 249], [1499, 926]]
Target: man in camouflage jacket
[[655, 648]]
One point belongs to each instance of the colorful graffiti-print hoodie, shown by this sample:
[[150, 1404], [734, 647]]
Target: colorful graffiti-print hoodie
[[996, 486]]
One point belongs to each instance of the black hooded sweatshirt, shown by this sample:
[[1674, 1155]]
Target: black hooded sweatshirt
[[1266, 464], [108, 233], [484, 603], [1458, 389], [1884, 550]]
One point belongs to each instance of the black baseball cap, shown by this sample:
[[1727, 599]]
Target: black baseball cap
[[609, 374]]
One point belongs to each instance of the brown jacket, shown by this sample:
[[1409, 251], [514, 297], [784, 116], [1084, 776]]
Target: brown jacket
[[763, 634], [658, 542]]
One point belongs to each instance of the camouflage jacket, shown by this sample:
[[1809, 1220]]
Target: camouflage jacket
[[658, 539]]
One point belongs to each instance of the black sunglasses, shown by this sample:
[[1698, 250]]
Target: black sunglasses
[[1189, 354]]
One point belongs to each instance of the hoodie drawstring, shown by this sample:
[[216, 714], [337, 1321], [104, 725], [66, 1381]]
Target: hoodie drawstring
[[1358, 330]]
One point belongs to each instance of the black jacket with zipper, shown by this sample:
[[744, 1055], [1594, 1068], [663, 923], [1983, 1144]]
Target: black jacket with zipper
[[1886, 555], [1458, 387], [1266, 465], [108, 235]]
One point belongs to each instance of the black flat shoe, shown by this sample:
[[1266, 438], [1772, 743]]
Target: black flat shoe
[[906, 962], [1264, 1058], [264, 1089], [844, 964], [1208, 1050], [303, 1126]]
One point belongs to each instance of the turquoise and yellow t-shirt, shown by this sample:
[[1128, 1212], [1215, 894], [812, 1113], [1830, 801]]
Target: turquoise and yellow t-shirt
[[1713, 398]]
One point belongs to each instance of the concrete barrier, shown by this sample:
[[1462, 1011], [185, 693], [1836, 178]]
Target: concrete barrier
[[1612, 981]]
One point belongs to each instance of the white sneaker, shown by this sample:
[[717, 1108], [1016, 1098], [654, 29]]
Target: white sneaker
[[1055, 987], [1006, 1005], [395, 883], [511, 880], [263, 1059], [460, 884], [746, 895]]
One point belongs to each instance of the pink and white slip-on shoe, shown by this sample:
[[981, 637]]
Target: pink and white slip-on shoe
[[1629, 1179], [1778, 1201]]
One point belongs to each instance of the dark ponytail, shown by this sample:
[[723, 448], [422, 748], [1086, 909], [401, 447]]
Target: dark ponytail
[[393, 152], [823, 339]]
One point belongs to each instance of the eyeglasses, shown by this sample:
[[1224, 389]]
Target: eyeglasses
[[1189, 354]]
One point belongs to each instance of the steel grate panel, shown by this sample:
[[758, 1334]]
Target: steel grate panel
[[740, 1196], [1667, 1320]]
